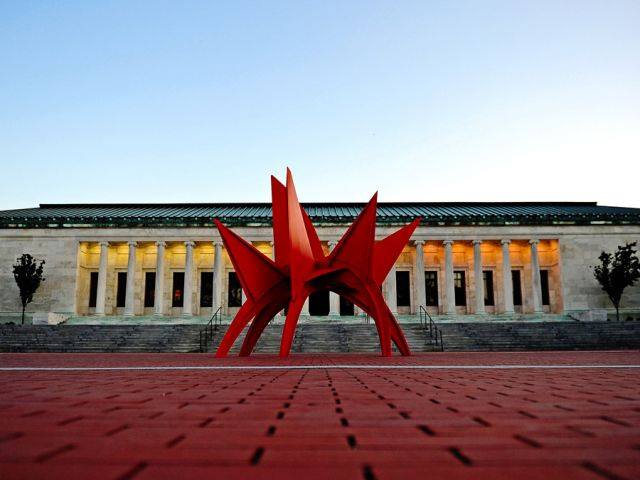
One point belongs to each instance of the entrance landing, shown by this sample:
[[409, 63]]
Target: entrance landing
[[226, 319], [553, 415]]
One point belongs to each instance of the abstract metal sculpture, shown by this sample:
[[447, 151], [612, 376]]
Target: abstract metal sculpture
[[355, 269]]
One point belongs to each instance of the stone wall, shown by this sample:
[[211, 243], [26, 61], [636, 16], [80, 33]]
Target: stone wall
[[581, 291], [58, 292]]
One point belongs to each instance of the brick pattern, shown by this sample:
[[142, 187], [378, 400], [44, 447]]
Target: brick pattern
[[337, 423]]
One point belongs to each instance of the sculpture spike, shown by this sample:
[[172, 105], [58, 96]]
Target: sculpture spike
[[355, 268], [388, 249], [280, 223], [256, 272], [355, 248]]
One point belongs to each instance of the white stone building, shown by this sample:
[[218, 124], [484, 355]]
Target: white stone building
[[480, 259]]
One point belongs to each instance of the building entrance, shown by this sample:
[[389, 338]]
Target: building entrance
[[319, 303], [346, 307]]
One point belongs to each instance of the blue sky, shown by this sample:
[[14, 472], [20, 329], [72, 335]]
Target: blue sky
[[155, 101]]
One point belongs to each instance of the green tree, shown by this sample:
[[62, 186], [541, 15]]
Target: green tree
[[617, 272], [28, 276]]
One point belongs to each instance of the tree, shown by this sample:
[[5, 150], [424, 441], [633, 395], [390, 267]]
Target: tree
[[28, 275], [617, 272]]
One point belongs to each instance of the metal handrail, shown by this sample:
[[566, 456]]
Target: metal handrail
[[206, 334], [428, 325]]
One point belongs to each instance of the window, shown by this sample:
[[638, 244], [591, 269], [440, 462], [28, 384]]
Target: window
[[149, 289], [460, 288], [431, 288], [121, 292], [403, 289], [177, 297], [544, 286], [234, 292], [93, 289], [206, 289], [517, 287], [487, 278]]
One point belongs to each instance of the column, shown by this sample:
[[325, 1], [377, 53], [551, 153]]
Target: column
[[102, 279], [536, 293], [334, 298], [158, 300], [450, 299], [188, 280], [131, 272], [392, 298], [305, 308], [216, 295], [418, 275], [477, 277], [507, 280]]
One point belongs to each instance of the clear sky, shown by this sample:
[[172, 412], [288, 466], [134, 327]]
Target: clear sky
[[178, 101]]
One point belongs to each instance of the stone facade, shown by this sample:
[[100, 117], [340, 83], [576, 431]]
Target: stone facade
[[71, 254]]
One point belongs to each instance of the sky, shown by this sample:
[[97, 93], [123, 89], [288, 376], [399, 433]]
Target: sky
[[153, 101]]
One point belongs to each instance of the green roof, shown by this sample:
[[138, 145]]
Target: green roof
[[202, 214]]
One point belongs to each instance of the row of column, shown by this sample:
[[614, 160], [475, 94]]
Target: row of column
[[334, 299], [449, 291], [187, 308]]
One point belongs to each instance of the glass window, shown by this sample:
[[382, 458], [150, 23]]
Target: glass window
[[121, 292], [403, 289], [517, 287], [460, 288], [206, 289], [234, 292], [487, 278], [149, 289], [544, 286], [431, 288], [177, 297], [93, 289]]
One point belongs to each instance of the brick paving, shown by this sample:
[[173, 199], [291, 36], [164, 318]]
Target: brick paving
[[306, 423]]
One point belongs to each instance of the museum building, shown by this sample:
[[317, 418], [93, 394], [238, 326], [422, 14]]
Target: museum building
[[477, 259]]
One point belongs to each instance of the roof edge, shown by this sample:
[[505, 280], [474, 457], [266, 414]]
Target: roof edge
[[268, 204]]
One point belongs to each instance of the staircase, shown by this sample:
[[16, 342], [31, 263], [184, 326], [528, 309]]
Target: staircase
[[513, 336], [325, 337], [333, 338], [99, 338]]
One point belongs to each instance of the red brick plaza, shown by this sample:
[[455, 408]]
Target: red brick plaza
[[468, 415]]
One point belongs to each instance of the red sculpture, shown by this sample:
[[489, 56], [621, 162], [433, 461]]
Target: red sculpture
[[355, 269]]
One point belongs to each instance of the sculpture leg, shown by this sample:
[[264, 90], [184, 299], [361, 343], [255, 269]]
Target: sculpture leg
[[256, 328], [381, 320], [365, 298], [290, 323], [397, 336], [240, 321], [395, 332], [383, 333]]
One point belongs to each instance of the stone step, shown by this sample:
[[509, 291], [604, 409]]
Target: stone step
[[324, 337]]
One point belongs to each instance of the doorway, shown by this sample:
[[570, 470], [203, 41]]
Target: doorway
[[346, 307], [319, 303]]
